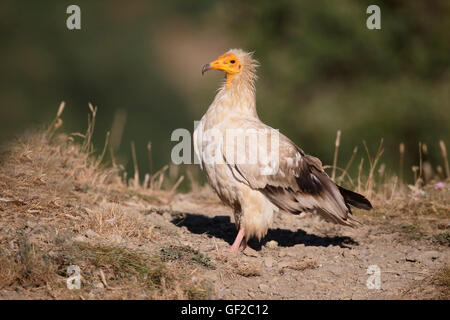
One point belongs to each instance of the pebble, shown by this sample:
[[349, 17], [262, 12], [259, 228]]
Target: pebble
[[269, 262], [430, 255], [411, 257], [167, 216], [91, 234], [79, 239], [292, 254], [264, 288], [272, 244], [115, 238], [423, 257], [221, 293], [30, 224], [251, 252]]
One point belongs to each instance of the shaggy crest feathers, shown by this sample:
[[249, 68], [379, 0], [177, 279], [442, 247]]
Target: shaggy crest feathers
[[240, 94], [249, 65]]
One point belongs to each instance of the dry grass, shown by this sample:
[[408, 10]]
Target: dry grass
[[303, 265], [60, 206], [442, 238], [416, 211], [29, 267], [245, 269], [186, 255], [441, 280], [435, 286], [123, 269]]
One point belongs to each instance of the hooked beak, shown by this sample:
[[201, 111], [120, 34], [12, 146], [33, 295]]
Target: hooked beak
[[206, 67]]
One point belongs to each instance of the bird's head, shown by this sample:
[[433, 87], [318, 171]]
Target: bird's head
[[232, 63]]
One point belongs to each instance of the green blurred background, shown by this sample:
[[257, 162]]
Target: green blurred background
[[321, 70]]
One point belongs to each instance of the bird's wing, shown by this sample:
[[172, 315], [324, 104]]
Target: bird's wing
[[298, 184]]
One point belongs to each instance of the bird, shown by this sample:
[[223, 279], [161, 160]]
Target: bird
[[288, 179]]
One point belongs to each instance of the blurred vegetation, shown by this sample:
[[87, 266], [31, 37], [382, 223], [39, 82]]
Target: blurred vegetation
[[321, 70]]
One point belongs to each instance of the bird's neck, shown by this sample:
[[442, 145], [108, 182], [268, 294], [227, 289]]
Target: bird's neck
[[237, 95]]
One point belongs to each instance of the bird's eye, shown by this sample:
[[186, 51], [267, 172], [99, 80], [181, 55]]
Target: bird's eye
[[232, 61]]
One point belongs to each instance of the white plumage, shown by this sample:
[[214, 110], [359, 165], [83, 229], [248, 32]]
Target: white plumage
[[283, 177]]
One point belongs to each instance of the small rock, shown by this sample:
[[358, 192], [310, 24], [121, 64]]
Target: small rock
[[272, 244], [91, 234], [264, 288], [111, 221], [30, 224], [292, 254], [410, 259], [98, 285], [166, 215], [221, 293], [79, 238], [269, 262], [411, 256], [115, 238], [251, 252], [430, 255]]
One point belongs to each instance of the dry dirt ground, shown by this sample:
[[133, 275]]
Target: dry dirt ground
[[58, 207], [304, 257]]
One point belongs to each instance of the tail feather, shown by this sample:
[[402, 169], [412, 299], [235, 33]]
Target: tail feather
[[355, 199]]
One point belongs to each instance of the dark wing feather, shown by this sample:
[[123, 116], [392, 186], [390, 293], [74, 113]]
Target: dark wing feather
[[355, 199], [301, 184]]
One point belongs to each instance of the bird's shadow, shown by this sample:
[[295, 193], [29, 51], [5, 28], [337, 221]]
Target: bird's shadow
[[221, 227]]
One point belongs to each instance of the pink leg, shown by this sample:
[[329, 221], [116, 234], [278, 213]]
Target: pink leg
[[243, 244], [237, 242]]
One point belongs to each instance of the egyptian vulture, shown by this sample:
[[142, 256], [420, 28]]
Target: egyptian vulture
[[226, 140]]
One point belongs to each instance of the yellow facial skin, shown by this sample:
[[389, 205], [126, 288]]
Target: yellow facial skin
[[227, 63]]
